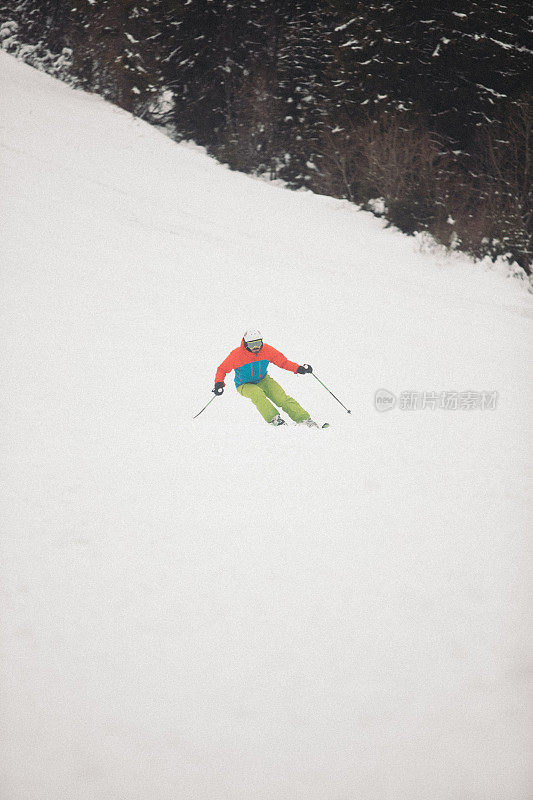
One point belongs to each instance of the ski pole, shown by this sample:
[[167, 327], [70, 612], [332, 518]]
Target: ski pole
[[331, 393], [204, 408]]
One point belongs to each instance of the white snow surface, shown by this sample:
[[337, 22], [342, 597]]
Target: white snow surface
[[217, 609]]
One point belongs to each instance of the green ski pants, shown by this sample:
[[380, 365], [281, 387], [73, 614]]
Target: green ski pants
[[267, 389]]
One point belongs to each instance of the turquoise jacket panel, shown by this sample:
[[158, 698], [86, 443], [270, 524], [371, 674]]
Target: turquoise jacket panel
[[251, 373]]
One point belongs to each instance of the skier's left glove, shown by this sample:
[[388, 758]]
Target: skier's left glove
[[304, 368], [219, 387]]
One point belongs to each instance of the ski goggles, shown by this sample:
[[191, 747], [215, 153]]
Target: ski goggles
[[255, 346]]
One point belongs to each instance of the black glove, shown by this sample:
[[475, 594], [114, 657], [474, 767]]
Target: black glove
[[219, 387], [305, 368]]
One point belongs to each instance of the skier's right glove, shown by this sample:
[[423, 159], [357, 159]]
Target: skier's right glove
[[304, 368], [219, 387]]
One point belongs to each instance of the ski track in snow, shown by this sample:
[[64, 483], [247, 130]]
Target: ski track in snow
[[217, 609]]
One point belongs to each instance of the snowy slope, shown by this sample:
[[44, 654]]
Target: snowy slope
[[218, 609]]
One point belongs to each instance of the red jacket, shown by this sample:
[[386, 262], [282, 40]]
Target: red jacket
[[252, 367]]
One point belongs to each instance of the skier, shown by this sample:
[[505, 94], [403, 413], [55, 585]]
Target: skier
[[250, 362]]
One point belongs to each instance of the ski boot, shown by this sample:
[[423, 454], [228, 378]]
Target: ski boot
[[277, 421], [310, 423]]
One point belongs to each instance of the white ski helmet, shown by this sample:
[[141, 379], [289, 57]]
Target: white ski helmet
[[253, 340]]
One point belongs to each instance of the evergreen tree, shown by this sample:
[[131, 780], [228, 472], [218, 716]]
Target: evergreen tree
[[206, 49], [113, 51], [303, 58]]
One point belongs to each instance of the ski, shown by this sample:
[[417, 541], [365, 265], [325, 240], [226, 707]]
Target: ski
[[317, 426]]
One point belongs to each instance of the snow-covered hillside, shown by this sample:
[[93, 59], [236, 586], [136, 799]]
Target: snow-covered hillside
[[218, 609]]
